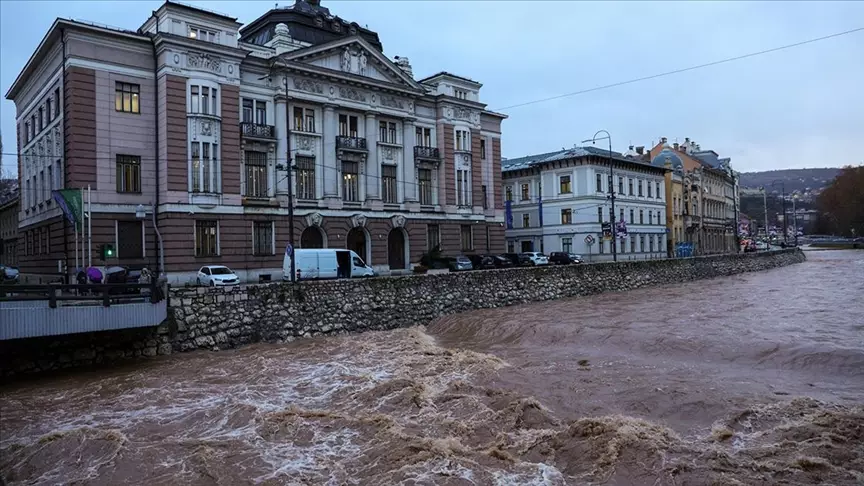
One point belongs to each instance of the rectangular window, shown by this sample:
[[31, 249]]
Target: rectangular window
[[649, 189], [642, 243], [508, 193], [567, 245], [310, 120], [262, 238], [260, 112], [620, 185], [27, 136], [56, 102], [347, 126], [525, 195], [566, 216], [196, 167], [388, 183], [391, 133], [564, 186], [424, 177], [126, 97], [248, 110], [433, 237], [651, 243], [632, 220], [130, 239], [641, 216], [640, 188], [460, 94], [423, 136], [632, 245], [485, 197], [50, 181], [463, 140], [599, 182], [382, 131], [33, 127], [41, 189], [482, 149], [195, 99], [128, 173], [630, 187], [206, 238], [202, 34], [621, 215], [305, 177], [41, 118], [256, 174], [205, 156], [650, 217], [599, 215], [298, 119], [526, 220], [205, 100], [350, 182], [463, 187], [601, 244], [467, 237]]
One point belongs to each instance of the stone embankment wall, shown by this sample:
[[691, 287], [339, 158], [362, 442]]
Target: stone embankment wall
[[212, 319]]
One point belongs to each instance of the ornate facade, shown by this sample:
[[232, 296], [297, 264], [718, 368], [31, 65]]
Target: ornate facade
[[202, 120]]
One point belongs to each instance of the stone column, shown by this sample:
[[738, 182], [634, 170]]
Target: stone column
[[373, 165], [409, 179], [328, 159], [281, 143]]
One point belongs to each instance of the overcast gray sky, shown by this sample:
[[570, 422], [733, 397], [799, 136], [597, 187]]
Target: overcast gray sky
[[802, 107]]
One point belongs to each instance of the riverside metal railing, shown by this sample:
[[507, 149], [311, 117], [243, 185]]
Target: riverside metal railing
[[93, 294]]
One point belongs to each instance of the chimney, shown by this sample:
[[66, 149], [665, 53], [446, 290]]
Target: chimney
[[662, 139], [686, 139], [640, 150], [675, 145]]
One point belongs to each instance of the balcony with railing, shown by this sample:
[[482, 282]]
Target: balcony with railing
[[351, 143], [254, 130], [423, 152]]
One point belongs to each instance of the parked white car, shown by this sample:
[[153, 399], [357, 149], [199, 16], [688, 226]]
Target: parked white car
[[217, 276], [535, 258]]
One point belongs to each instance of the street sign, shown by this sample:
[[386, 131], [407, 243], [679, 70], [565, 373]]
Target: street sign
[[589, 240]]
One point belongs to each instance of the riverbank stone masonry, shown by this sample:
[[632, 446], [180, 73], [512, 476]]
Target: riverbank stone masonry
[[216, 319]]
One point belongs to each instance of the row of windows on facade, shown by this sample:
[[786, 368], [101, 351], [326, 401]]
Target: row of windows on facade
[[603, 246], [37, 189], [42, 116], [567, 217], [565, 186], [264, 238]]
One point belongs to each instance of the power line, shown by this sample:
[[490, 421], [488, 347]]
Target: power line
[[678, 71]]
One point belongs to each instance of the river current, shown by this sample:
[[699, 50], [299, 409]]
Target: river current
[[750, 379]]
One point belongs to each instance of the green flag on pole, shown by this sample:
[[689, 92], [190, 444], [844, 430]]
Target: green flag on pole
[[71, 203]]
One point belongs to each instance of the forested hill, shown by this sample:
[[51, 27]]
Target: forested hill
[[795, 179]]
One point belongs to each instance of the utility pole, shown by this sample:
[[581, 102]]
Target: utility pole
[[290, 167], [765, 205], [593, 140], [795, 219]]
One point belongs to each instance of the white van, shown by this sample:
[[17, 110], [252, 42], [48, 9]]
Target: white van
[[326, 263]]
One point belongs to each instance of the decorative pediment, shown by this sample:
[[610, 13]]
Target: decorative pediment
[[354, 56], [314, 219], [358, 221]]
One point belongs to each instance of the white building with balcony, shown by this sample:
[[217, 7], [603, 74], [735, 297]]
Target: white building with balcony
[[559, 201]]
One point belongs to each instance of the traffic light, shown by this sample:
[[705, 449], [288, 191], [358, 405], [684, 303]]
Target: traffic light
[[108, 251]]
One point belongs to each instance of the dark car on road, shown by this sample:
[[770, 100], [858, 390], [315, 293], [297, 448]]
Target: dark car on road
[[494, 261], [460, 263], [515, 259]]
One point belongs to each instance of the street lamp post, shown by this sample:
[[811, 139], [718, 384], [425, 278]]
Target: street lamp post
[[783, 205], [290, 169], [593, 140]]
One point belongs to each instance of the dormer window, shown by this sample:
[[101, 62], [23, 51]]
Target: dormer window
[[203, 34]]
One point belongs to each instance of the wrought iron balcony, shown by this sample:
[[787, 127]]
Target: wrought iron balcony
[[351, 143], [422, 152], [254, 130]]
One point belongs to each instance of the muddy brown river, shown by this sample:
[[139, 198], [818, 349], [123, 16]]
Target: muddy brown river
[[751, 379]]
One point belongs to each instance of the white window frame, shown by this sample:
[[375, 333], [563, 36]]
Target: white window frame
[[210, 35], [203, 83], [462, 139]]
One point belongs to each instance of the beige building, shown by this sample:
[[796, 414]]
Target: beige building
[[195, 114], [709, 193]]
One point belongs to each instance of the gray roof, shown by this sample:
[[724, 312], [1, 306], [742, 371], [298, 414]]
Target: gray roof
[[509, 165]]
